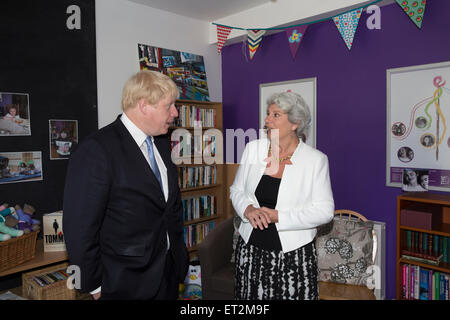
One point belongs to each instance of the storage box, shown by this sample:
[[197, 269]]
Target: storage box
[[53, 232], [421, 216], [57, 290], [446, 215], [17, 250]]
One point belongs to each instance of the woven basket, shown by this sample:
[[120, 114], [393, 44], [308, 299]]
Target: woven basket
[[17, 250], [54, 291]]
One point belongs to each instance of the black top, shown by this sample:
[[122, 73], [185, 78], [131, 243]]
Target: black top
[[266, 193]]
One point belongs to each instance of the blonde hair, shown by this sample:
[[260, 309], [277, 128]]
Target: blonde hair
[[149, 85]]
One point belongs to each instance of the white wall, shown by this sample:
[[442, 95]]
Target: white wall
[[121, 25]]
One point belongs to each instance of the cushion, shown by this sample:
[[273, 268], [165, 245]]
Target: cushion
[[344, 250]]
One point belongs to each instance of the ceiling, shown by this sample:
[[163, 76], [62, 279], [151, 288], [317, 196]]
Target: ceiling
[[206, 10]]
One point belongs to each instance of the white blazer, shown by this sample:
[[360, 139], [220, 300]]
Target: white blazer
[[305, 199]]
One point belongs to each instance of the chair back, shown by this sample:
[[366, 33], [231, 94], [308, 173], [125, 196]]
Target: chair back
[[356, 216]]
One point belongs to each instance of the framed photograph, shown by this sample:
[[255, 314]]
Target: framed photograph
[[14, 114], [418, 124], [305, 87], [186, 69], [20, 166], [63, 135]]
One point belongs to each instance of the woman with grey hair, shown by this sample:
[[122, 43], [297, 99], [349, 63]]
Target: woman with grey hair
[[282, 192]]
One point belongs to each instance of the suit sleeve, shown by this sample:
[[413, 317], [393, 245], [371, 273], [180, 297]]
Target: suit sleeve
[[85, 201], [321, 208]]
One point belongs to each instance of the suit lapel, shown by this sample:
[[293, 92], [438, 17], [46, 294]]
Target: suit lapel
[[132, 151], [161, 143]]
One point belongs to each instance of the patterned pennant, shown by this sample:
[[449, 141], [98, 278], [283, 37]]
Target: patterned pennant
[[222, 35], [254, 38], [295, 37], [414, 9], [347, 24]]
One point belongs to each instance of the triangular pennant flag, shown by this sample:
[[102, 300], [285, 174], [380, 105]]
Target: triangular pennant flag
[[254, 38], [347, 24], [222, 35], [414, 9], [295, 37]]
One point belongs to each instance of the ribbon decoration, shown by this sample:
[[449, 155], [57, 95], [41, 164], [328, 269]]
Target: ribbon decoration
[[347, 24], [254, 38], [295, 36], [222, 35], [415, 10]]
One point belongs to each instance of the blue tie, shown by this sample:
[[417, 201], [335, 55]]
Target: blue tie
[[151, 156]]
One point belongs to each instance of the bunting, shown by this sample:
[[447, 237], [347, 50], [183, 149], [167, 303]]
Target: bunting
[[295, 36], [347, 24], [254, 38], [414, 9], [222, 35]]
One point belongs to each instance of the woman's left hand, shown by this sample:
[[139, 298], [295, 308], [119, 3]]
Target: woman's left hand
[[272, 213]]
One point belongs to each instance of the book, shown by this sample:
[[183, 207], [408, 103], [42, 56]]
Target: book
[[422, 257], [53, 232]]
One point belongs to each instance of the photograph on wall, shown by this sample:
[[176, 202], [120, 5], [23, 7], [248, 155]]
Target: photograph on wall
[[304, 87], [63, 138], [20, 166], [418, 123], [14, 114], [187, 70], [415, 180]]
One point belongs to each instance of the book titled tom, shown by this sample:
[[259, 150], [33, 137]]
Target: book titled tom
[[53, 232]]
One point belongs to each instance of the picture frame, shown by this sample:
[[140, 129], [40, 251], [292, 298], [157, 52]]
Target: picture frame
[[307, 88], [21, 166], [63, 138], [418, 123], [14, 114]]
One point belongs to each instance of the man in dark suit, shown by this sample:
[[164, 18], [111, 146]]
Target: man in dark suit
[[122, 218]]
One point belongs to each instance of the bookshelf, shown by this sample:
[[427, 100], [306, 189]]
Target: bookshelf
[[423, 245], [196, 141]]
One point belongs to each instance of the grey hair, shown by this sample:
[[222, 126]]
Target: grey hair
[[296, 108]]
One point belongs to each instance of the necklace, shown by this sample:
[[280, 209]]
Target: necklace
[[282, 158]]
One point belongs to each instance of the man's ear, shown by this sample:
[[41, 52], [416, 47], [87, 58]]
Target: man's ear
[[142, 106]]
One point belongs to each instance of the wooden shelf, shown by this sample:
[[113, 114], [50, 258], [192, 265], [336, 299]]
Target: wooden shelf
[[200, 220], [217, 189], [40, 259], [443, 230], [442, 267]]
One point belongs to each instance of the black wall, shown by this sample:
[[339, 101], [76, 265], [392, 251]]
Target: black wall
[[56, 66]]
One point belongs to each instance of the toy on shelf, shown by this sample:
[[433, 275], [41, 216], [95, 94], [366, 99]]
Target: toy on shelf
[[7, 230], [26, 223]]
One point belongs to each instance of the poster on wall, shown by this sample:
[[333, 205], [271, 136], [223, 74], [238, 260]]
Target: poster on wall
[[304, 87], [63, 138], [14, 114], [20, 166], [187, 70], [418, 124]]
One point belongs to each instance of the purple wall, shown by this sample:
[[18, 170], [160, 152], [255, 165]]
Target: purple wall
[[351, 99]]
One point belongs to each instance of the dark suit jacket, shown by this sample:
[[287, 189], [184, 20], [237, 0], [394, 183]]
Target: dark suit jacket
[[116, 219]]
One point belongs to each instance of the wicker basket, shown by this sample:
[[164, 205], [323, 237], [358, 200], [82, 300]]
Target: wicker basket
[[17, 250], [55, 291]]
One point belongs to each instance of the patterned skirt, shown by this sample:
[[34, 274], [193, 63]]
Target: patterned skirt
[[273, 275]]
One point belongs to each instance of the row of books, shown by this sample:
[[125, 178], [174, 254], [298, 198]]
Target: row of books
[[194, 234], [199, 207], [193, 145], [189, 177], [192, 116], [51, 277], [423, 284], [433, 248]]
